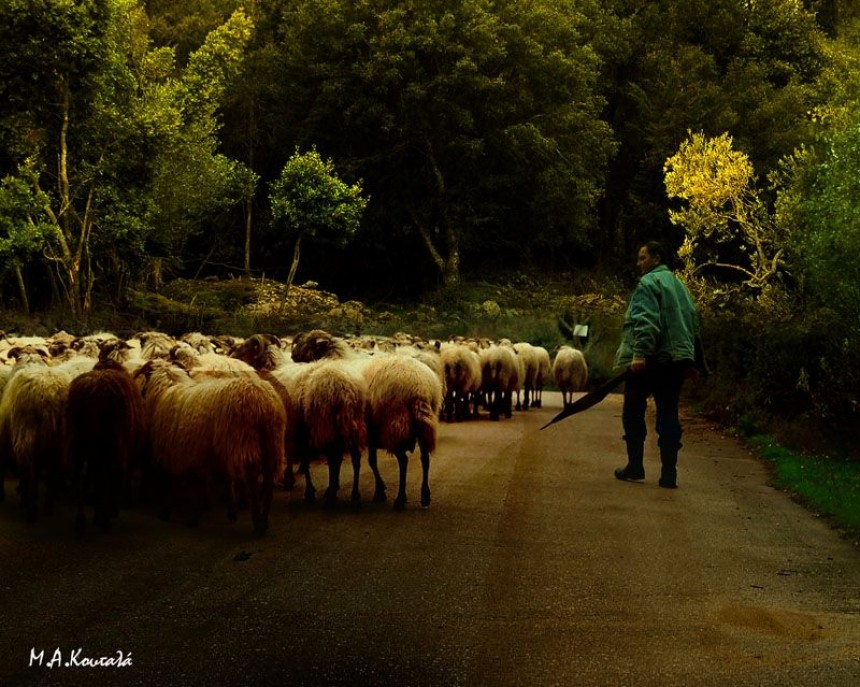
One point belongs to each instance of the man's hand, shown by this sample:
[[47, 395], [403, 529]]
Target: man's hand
[[637, 366]]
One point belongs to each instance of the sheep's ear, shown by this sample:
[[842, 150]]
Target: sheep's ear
[[14, 352], [57, 348]]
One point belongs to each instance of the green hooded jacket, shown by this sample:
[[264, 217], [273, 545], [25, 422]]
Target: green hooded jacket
[[661, 320]]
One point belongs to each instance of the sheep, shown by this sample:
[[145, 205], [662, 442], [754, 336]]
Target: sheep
[[106, 431], [192, 360], [275, 366], [11, 343], [260, 352], [155, 344], [530, 365], [334, 408], [90, 345], [405, 402], [230, 425], [32, 425], [500, 376], [318, 344], [23, 358], [462, 370], [570, 371], [199, 342], [544, 374]]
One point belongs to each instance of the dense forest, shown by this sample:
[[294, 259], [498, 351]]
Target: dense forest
[[380, 145]]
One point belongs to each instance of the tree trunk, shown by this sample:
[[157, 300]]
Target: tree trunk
[[70, 262], [448, 265], [22, 290], [295, 264], [248, 214]]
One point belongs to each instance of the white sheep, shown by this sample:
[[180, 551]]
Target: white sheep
[[544, 375], [333, 398], [462, 369], [155, 344], [231, 426], [570, 370], [32, 428], [405, 401], [192, 360], [531, 366], [500, 376]]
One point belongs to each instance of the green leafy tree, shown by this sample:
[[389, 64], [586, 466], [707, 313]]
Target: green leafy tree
[[723, 212], [127, 148], [749, 68], [464, 118], [309, 200], [23, 229], [818, 199]]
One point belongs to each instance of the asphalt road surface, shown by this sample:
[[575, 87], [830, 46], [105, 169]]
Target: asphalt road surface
[[532, 566]]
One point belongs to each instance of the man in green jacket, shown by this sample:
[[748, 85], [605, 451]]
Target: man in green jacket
[[658, 346]]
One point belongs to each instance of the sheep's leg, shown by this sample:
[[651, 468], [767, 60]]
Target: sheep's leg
[[81, 519], [356, 469], [494, 398], [310, 490], [334, 460], [30, 493], [508, 397], [379, 490], [526, 397], [200, 484], [519, 404], [425, 476], [289, 475], [232, 510], [266, 490], [168, 496], [103, 488], [402, 462], [257, 498]]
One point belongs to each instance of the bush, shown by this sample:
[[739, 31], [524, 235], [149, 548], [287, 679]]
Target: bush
[[803, 370]]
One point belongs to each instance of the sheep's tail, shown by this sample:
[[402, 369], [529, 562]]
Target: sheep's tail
[[424, 423], [342, 423], [272, 444]]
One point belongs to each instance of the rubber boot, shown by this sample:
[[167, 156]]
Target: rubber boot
[[634, 470], [669, 466]]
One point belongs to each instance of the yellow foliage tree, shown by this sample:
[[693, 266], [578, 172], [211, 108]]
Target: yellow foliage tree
[[722, 208]]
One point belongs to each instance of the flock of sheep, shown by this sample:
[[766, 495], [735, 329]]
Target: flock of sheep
[[172, 417]]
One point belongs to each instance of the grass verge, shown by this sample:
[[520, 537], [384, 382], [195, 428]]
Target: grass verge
[[825, 484]]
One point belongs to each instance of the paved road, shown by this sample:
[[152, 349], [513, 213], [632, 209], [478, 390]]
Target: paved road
[[533, 566]]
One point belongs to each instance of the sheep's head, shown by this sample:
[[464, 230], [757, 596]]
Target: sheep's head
[[112, 351], [28, 355], [253, 351], [156, 375], [316, 345]]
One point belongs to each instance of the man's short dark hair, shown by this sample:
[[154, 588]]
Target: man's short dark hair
[[657, 249]]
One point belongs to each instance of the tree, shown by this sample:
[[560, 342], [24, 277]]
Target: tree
[[23, 230], [749, 68], [309, 199], [723, 212], [464, 118], [819, 188], [137, 164]]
